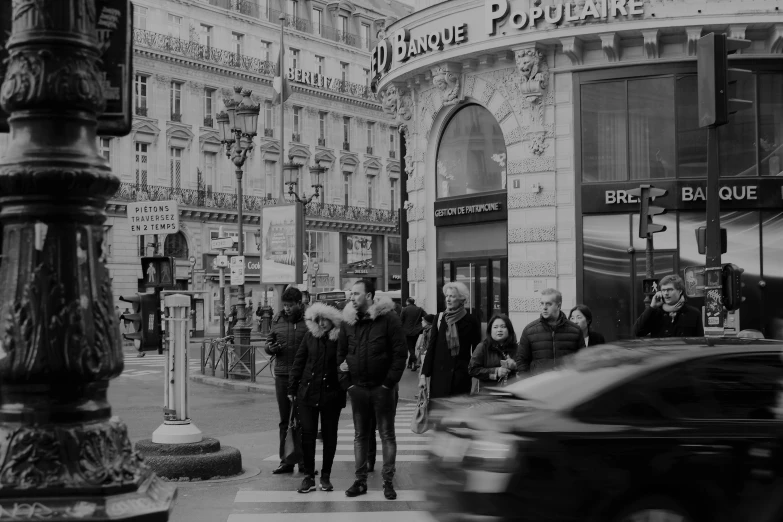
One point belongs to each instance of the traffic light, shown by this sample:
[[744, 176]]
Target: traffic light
[[158, 271], [145, 320], [645, 193], [732, 286], [715, 78]]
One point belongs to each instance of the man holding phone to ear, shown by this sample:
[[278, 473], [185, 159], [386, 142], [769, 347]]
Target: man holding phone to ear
[[669, 315]]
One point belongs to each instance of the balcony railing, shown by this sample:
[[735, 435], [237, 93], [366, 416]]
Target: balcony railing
[[176, 116], [346, 146], [294, 22], [228, 201], [347, 38], [322, 142], [269, 133], [369, 150], [245, 7], [392, 154], [297, 138], [208, 122], [197, 51], [141, 111]]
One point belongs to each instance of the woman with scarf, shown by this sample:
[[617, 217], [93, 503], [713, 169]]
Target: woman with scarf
[[668, 314], [424, 339], [455, 335], [493, 359]]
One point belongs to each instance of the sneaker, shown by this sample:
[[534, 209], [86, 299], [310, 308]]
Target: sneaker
[[326, 484], [358, 488], [388, 490], [308, 485], [141, 354]]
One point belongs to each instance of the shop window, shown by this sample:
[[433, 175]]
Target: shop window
[[176, 246], [772, 239], [650, 120], [395, 251], [471, 154], [771, 124], [691, 139], [737, 140], [604, 123], [318, 246], [483, 240]]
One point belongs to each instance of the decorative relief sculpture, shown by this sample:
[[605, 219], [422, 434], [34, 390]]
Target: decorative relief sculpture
[[533, 71], [447, 83]]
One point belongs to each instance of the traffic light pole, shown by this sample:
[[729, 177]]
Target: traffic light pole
[[713, 287], [649, 265]]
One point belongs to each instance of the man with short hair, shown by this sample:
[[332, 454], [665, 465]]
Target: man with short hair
[[669, 315], [371, 352], [411, 326], [548, 339]]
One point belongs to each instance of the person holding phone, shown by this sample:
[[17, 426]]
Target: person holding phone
[[669, 315]]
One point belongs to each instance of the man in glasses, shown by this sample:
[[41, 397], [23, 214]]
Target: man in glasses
[[669, 315]]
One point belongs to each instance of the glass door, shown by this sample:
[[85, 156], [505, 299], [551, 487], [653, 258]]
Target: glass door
[[487, 283]]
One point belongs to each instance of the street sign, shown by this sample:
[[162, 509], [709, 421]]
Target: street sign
[[650, 286], [221, 261], [223, 242], [694, 281], [153, 217], [316, 265], [237, 270]]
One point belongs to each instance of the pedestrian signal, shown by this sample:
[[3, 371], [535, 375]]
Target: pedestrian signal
[[158, 271], [732, 286], [145, 321]]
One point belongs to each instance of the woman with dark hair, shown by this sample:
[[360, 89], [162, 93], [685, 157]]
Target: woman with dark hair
[[493, 359], [581, 316]]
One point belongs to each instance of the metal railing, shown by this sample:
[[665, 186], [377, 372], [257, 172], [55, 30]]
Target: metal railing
[[331, 211], [354, 40], [197, 51], [223, 358], [246, 7], [294, 22]]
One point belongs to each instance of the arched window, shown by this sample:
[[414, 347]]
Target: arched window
[[176, 246], [471, 154]]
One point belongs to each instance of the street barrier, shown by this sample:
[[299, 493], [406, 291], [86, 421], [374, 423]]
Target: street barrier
[[221, 358]]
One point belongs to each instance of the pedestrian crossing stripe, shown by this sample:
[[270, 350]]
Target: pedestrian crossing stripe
[[323, 496], [355, 516], [350, 458]]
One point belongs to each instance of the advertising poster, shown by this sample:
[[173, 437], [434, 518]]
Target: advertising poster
[[281, 257], [358, 249]]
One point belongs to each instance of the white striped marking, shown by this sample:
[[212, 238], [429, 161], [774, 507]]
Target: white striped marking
[[417, 438], [324, 496], [400, 447], [350, 458], [357, 516]]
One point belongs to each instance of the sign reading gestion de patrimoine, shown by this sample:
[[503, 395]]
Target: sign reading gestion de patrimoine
[[471, 209]]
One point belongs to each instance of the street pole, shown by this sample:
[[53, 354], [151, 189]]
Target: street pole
[[64, 456], [649, 265], [713, 287], [402, 223], [281, 196], [242, 330], [222, 305]]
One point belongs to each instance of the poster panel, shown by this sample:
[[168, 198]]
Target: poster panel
[[281, 244]]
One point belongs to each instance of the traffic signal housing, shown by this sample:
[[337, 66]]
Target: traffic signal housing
[[715, 78], [701, 240], [158, 271], [646, 193], [145, 320], [732, 286]]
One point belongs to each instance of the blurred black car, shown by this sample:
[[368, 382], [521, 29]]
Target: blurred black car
[[670, 430]]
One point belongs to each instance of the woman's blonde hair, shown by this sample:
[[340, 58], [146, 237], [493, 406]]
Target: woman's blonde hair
[[460, 288]]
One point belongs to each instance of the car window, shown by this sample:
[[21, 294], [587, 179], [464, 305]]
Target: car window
[[742, 386]]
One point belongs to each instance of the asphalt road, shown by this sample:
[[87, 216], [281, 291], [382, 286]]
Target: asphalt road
[[248, 421]]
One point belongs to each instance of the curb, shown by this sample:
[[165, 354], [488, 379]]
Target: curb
[[232, 385]]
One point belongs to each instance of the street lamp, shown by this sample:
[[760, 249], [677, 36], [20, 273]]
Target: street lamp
[[315, 177], [238, 124]]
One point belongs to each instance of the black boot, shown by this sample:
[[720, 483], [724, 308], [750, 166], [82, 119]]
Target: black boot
[[326, 484], [358, 488], [283, 468], [388, 490]]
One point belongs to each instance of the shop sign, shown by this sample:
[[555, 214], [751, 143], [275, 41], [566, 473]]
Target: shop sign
[[401, 47], [396, 277], [324, 82], [685, 195], [471, 209], [212, 263], [498, 11]]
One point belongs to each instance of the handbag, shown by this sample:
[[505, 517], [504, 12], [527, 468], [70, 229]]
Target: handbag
[[292, 453], [420, 422]]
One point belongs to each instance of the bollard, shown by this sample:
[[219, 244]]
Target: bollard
[[177, 428]]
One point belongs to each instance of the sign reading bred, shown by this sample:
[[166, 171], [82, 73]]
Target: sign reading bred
[[153, 217]]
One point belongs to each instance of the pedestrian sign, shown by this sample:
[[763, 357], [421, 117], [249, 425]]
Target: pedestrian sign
[[237, 270], [694, 281], [650, 286], [153, 217]]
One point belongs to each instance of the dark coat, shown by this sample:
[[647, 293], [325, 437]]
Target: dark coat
[[542, 347], [289, 330], [449, 375], [655, 322], [411, 320], [595, 338], [313, 378], [487, 357], [373, 345]]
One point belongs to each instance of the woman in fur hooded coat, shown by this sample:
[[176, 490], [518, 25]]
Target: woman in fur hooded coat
[[314, 385]]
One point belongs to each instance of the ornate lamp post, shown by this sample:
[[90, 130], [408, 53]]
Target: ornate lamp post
[[238, 124], [292, 170], [63, 455]]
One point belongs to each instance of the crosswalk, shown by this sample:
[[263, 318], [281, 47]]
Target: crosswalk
[[150, 364], [289, 506]]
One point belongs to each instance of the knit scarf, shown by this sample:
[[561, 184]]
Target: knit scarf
[[452, 336], [673, 309]]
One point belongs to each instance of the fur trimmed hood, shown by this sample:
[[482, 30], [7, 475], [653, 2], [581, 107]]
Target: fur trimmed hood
[[382, 305], [318, 310]]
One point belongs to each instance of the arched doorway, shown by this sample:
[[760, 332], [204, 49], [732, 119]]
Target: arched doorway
[[176, 245]]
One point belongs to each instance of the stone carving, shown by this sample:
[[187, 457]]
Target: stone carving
[[447, 83], [525, 87], [533, 71], [538, 144], [395, 102]]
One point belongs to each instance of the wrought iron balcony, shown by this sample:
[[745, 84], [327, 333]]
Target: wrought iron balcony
[[369, 150], [209, 122], [345, 37], [346, 146], [141, 111], [296, 137], [176, 116], [322, 142], [197, 51], [228, 201], [392, 154], [246, 7], [294, 22], [269, 133]]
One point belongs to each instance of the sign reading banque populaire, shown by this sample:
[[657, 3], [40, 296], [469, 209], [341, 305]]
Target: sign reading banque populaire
[[153, 217]]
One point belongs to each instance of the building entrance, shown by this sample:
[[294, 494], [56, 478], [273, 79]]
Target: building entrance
[[487, 282]]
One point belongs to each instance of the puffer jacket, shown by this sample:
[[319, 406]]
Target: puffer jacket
[[288, 332], [487, 356], [542, 347], [373, 345], [313, 378]]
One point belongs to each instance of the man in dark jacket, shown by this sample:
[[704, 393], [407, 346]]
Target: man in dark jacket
[[548, 339], [411, 326], [372, 345], [288, 330], [668, 314]]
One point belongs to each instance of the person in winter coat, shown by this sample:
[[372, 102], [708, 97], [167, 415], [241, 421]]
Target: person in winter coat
[[493, 359], [548, 339], [669, 315], [288, 330], [313, 383], [372, 350], [448, 354], [424, 339], [581, 316], [411, 325]]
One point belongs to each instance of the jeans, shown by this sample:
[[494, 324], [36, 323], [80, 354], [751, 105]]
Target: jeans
[[372, 450], [411, 350], [284, 406], [380, 403], [308, 416]]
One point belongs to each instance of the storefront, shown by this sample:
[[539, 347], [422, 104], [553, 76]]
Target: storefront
[[253, 288], [361, 257], [525, 125]]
